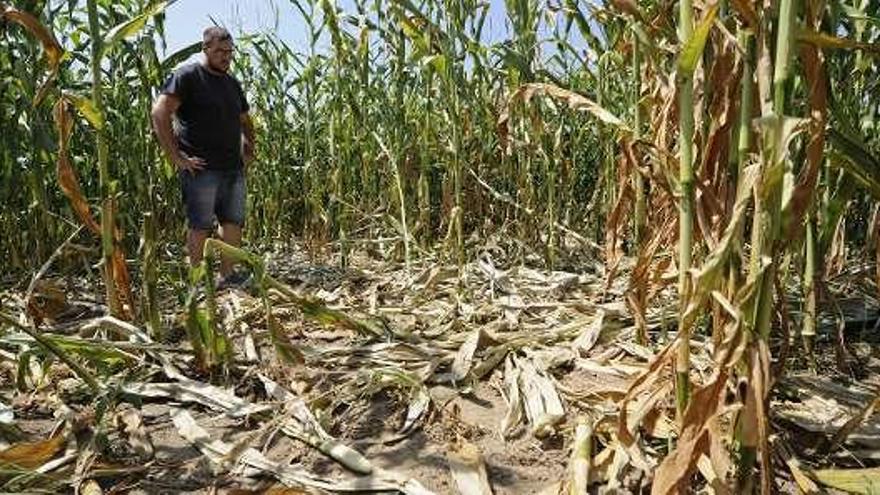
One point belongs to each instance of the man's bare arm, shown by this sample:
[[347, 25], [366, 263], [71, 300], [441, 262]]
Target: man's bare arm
[[163, 110], [247, 129]]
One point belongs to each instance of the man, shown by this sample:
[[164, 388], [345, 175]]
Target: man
[[212, 146]]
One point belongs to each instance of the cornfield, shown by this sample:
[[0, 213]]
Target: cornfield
[[644, 236]]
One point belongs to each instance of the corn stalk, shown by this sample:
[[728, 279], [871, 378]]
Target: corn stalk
[[685, 205], [640, 208], [104, 181], [763, 268]]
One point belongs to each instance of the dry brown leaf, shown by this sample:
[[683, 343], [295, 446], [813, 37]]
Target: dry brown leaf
[[802, 196], [67, 178], [47, 301], [628, 7], [464, 358], [122, 280], [640, 280], [130, 423], [620, 460], [713, 184], [514, 415], [764, 71], [304, 426], [734, 337], [643, 383], [31, 455], [759, 389], [719, 454], [657, 424], [694, 441], [746, 11], [708, 471], [710, 275], [542, 403], [589, 335], [646, 404], [51, 47], [825, 40], [187, 390], [575, 101], [617, 221]]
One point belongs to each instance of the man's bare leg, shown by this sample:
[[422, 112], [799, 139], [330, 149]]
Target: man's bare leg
[[195, 244], [231, 234]]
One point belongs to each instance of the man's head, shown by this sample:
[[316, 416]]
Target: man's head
[[217, 45]]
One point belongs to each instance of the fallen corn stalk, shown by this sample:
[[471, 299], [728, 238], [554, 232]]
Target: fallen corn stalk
[[311, 308], [218, 451], [468, 470]]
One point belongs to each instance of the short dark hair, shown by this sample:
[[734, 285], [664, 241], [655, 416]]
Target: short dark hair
[[215, 33]]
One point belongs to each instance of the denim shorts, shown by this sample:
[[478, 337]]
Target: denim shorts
[[213, 192]]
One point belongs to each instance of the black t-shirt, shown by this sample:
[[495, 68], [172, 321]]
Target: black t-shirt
[[209, 125]]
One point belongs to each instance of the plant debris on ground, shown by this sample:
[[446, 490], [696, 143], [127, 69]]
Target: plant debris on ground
[[622, 246], [508, 380]]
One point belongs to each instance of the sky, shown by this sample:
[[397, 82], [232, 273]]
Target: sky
[[185, 20]]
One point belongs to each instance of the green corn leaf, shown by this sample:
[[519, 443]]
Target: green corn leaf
[[132, 26], [87, 108], [179, 56], [438, 62], [105, 359], [24, 368], [859, 162], [693, 49]]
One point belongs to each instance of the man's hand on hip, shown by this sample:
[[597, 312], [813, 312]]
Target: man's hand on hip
[[191, 164]]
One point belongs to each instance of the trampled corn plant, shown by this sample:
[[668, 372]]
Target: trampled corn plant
[[403, 127], [784, 189]]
